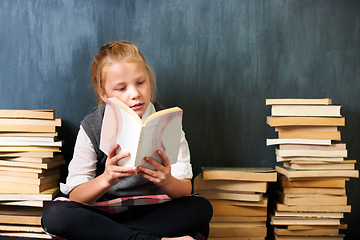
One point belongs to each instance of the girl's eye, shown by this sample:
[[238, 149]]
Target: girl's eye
[[141, 82], [120, 88]]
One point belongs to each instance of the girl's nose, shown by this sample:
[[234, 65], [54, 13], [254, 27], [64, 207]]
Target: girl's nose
[[134, 93]]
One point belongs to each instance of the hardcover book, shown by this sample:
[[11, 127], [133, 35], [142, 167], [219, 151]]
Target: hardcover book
[[235, 173], [306, 110], [299, 101]]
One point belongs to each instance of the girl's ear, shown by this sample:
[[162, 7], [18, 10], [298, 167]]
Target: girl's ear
[[103, 96]]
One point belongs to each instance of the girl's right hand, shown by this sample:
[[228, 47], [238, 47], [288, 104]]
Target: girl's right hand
[[90, 191], [112, 171]]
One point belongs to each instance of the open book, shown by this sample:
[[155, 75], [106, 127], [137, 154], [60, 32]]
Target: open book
[[160, 131]]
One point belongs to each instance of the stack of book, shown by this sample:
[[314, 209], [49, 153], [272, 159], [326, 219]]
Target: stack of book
[[311, 198], [29, 169], [239, 200]]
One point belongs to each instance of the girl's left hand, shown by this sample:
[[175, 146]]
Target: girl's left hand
[[162, 176]]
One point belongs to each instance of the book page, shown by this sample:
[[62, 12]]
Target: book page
[[161, 133], [119, 127]]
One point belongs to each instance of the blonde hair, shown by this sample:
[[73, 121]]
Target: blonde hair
[[112, 53]]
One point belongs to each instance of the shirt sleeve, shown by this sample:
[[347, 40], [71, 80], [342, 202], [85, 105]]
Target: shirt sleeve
[[182, 168], [82, 167]]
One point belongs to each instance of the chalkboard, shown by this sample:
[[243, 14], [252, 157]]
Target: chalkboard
[[217, 60]]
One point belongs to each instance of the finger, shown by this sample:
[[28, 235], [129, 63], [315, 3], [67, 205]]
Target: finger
[[116, 171], [153, 162], [113, 149], [115, 159], [125, 169], [130, 172], [148, 171], [165, 159]]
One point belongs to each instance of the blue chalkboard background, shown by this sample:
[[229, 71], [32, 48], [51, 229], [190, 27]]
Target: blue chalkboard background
[[218, 60]]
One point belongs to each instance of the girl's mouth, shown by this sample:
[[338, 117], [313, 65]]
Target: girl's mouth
[[137, 106]]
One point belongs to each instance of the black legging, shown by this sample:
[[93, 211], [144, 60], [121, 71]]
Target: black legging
[[179, 217]]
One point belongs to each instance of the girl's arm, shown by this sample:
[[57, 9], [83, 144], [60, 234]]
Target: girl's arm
[[170, 185], [90, 191]]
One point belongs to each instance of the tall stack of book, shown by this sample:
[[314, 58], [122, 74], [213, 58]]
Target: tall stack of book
[[239, 200], [311, 198], [29, 169]]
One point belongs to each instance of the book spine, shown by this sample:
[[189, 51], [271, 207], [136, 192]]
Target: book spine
[[139, 161]]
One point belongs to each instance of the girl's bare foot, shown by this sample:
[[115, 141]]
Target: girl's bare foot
[[179, 238]]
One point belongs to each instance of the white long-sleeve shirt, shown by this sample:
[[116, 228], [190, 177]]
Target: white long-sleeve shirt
[[82, 167]]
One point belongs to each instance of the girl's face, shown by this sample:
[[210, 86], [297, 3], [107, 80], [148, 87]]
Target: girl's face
[[130, 83]]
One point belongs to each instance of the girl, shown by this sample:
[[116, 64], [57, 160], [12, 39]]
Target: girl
[[120, 70]]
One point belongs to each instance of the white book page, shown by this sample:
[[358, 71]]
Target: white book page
[[128, 140], [119, 127], [162, 133]]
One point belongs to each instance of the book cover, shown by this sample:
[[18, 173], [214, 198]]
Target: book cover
[[25, 203], [160, 131], [315, 190], [20, 228], [307, 159], [8, 143], [38, 154], [288, 153], [262, 203], [23, 121], [230, 195], [11, 187], [46, 165], [299, 101], [20, 219], [236, 230], [313, 208], [309, 214], [33, 173], [38, 181], [32, 114], [20, 215], [319, 232], [326, 237], [27, 128], [25, 235], [46, 195], [337, 146], [228, 185], [306, 110], [291, 173], [258, 174], [33, 159], [22, 138], [305, 121], [29, 149], [321, 166], [231, 210], [311, 199], [318, 183], [278, 141], [31, 135], [307, 128], [310, 135], [308, 227], [303, 221]]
